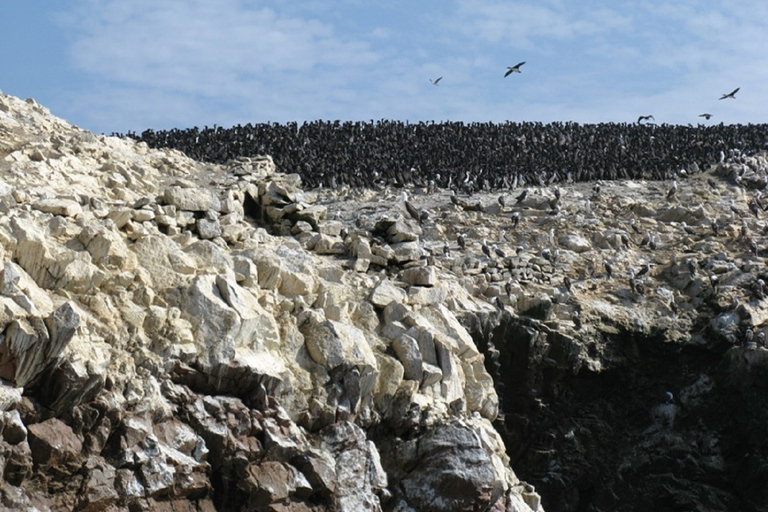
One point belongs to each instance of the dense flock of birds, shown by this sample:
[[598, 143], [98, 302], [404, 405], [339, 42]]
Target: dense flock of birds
[[467, 157]]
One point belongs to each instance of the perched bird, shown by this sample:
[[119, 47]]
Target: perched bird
[[731, 94], [715, 227], [706, 115], [412, 210], [436, 80], [753, 246], [646, 268], [502, 201], [673, 190], [633, 225], [519, 199], [576, 321], [625, 240], [515, 219], [462, 241], [608, 270], [513, 69], [486, 248], [499, 303], [712, 183], [644, 118], [500, 253], [567, 283]]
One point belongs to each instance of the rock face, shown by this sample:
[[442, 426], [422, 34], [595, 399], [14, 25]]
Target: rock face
[[185, 336], [177, 335]]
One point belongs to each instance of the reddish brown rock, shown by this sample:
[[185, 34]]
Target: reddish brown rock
[[53, 442]]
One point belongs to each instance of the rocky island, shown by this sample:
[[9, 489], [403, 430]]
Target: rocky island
[[189, 336]]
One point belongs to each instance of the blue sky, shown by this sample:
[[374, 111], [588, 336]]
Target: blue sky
[[119, 65]]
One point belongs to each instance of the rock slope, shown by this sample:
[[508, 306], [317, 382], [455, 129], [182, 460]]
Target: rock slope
[[187, 336], [183, 336]]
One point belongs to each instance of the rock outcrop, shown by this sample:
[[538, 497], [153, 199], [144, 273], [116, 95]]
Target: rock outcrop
[[178, 335]]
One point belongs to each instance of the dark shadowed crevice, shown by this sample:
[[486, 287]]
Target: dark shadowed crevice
[[590, 425]]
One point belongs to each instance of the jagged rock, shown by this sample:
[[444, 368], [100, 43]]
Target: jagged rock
[[407, 351], [53, 443], [191, 199], [185, 358], [420, 276], [386, 293], [453, 471], [65, 207]]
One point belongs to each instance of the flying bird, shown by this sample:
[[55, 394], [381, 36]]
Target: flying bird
[[436, 80], [513, 69], [731, 94], [644, 118], [707, 115]]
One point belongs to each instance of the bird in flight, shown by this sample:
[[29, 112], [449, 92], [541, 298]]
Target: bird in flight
[[513, 69], [644, 118], [436, 80], [731, 94], [706, 115]]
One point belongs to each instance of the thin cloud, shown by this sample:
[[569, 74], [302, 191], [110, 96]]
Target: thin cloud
[[194, 62]]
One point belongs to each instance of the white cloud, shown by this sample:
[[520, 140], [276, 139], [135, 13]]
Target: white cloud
[[185, 62]]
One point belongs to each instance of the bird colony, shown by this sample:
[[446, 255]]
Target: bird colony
[[204, 336]]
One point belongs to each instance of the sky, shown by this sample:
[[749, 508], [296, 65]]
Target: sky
[[128, 65]]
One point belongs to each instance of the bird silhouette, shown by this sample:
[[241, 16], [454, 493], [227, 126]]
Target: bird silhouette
[[436, 80], [513, 69], [707, 115], [644, 118], [731, 94]]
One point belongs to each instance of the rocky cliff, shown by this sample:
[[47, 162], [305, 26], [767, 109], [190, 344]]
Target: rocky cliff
[[198, 337], [182, 336]]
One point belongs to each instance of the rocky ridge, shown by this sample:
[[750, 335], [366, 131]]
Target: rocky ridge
[[189, 336], [184, 336]]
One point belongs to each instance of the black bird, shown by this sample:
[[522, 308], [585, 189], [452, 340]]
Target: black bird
[[625, 240], [706, 115], [712, 183], [502, 201], [567, 283], [486, 248], [633, 225], [644, 118], [731, 94], [608, 270], [436, 80], [519, 199], [462, 241], [576, 321], [646, 268], [513, 69]]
